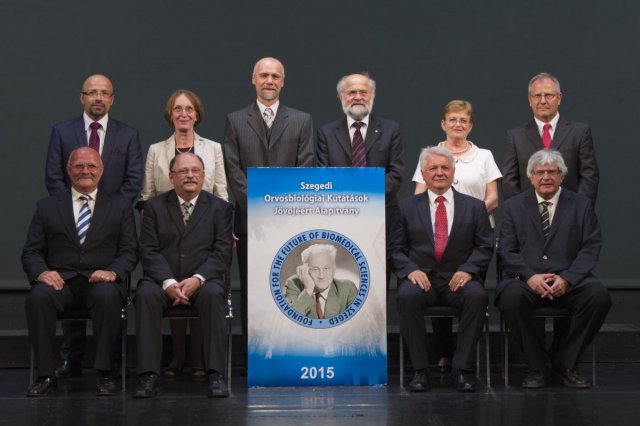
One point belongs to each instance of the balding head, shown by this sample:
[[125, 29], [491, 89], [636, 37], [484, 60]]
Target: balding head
[[85, 169], [268, 78], [96, 96]]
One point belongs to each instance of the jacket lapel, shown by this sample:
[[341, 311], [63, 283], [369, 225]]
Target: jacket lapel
[[109, 142], [424, 212], [374, 131], [459, 211], [170, 150], [533, 135], [173, 209], [280, 123], [65, 210], [333, 301], [559, 214], [81, 134], [198, 212], [562, 130], [531, 207], [343, 138], [100, 212], [255, 121]]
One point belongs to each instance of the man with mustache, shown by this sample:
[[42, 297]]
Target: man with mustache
[[120, 151], [362, 140]]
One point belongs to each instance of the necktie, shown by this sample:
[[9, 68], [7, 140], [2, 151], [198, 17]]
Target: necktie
[[268, 116], [84, 218], [442, 229], [186, 211], [319, 306], [94, 138], [358, 158], [544, 216], [546, 136]]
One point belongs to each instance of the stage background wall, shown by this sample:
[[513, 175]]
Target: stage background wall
[[422, 54]]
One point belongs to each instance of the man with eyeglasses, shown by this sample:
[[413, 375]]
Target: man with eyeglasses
[[120, 151], [549, 245], [185, 250], [549, 130]]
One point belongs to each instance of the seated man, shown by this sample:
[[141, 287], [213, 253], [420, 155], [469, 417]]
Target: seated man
[[549, 244], [313, 291], [441, 245], [185, 251], [80, 248]]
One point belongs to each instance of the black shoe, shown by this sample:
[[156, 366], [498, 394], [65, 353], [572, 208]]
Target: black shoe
[[148, 387], [68, 369], [462, 382], [571, 379], [217, 388], [106, 385], [420, 381], [534, 380], [42, 387]]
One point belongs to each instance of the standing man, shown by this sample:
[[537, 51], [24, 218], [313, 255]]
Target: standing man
[[80, 248], [185, 248], [264, 134], [549, 130], [120, 151], [362, 140], [441, 245], [549, 245]]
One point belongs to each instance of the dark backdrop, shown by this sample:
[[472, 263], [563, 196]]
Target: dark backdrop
[[422, 54]]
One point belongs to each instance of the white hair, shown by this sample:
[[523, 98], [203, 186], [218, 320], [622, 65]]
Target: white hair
[[542, 76], [319, 248], [435, 150], [343, 80], [549, 157]]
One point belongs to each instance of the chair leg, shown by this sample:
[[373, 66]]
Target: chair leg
[[487, 351], [593, 362], [123, 358], [401, 344], [505, 343], [31, 366], [229, 349]]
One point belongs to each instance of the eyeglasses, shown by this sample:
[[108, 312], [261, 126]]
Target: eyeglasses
[[185, 172], [462, 121], [547, 96], [78, 167], [180, 109], [540, 173], [96, 93], [354, 93]]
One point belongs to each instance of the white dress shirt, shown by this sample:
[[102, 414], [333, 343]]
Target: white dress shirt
[[363, 129], [77, 202], [104, 121], [448, 204], [553, 122], [551, 207]]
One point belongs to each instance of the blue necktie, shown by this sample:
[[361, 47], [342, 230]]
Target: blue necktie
[[84, 218]]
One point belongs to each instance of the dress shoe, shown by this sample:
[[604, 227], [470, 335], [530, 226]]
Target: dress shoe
[[42, 387], [68, 369], [106, 385], [534, 380], [148, 386], [462, 382], [571, 379], [420, 381], [217, 388]]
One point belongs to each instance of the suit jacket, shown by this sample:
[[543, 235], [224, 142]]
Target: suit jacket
[[469, 246], [291, 144], [341, 294], [169, 249], [156, 171], [383, 148], [574, 142], [571, 250], [52, 240], [121, 156]]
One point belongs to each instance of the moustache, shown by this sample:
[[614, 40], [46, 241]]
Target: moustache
[[189, 180]]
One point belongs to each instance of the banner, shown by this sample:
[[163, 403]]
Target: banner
[[317, 282]]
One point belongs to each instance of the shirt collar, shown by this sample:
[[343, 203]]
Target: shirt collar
[[553, 122], [75, 195], [448, 196], [273, 107], [192, 201], [324, 293], [350, 121], [553, 200], [87, 121]]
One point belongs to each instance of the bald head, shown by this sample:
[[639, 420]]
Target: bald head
[[96, 96], [85, 169], [268, 79]]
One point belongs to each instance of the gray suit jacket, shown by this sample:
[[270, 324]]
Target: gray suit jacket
[[341, 294], [246, 145]]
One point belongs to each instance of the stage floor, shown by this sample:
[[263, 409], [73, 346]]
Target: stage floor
[[182, 402]]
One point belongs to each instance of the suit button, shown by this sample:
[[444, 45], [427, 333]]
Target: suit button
[[544, 257]]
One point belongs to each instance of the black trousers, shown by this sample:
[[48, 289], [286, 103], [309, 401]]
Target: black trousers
[[472, 302], [151, 301], [104, 301], [589, 302]]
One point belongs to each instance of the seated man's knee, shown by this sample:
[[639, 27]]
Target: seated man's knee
[[40, 294]]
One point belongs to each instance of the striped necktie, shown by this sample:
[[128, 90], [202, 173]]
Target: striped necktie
[[84, 218], [544, 217], [358, 157]]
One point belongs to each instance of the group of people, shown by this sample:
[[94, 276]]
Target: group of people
[[82, 242]]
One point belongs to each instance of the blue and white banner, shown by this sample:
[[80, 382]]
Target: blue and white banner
[[317, 289]]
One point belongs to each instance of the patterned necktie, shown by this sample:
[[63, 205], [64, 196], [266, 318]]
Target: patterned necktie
[[94, 138], [84, 218], [319, 306], [186, 211], [441, 228], [268, 116], [546, 136], [358, 159], [544, 216]]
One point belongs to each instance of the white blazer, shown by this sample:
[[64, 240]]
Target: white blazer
[[156, 170]]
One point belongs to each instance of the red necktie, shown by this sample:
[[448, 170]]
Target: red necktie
[[94, 138], [546, 136], [358, 158], [442, 229], [319, 306]]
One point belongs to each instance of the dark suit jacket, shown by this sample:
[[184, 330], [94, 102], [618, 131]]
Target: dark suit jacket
[[246, 145], [383, 149], [121, 156], [469, 247], [52, 240], [571, 250], [574, 142], [168, 249]]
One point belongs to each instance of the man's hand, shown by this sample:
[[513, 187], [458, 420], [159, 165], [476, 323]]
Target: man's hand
[[51, 278], [559, 286], [103, 276], [539, 284], [302, 272], [189, 286], [175, 293], [420, 279], [459, 280]]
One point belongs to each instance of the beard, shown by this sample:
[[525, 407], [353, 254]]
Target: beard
[[358, 111]]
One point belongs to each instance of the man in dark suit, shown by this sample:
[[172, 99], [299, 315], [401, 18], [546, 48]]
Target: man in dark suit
[[80, 248], [185, 252], [441, 245], [119, 148], [549, 130], [264, 134], [549, 244], [361, 139]]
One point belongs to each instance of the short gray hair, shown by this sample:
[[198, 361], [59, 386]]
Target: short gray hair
[[546, 156], [436, 150], [542, 76], [341, 82], [319, 248]]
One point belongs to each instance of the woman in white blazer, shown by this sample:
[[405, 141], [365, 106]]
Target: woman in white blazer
[[184, 111]]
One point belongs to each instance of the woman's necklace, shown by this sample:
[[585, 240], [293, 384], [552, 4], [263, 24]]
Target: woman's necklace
[[462, 151]]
